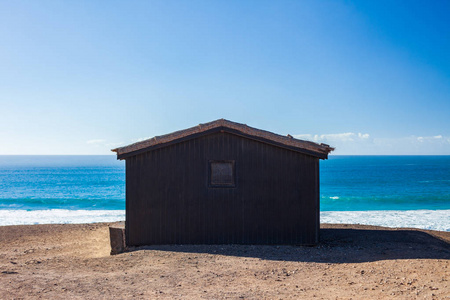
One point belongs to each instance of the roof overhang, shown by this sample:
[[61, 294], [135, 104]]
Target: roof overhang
[[288, 142]]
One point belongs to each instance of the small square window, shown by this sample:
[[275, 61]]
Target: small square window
[[221, 173]]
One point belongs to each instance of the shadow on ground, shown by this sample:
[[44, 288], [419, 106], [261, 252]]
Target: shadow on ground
[[336, 246]]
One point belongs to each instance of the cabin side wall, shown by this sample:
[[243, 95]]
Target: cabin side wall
[[169, 200]]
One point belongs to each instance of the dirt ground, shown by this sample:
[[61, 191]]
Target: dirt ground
[[352, 262]]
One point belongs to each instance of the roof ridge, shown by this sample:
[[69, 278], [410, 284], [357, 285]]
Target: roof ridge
[[322, 149]]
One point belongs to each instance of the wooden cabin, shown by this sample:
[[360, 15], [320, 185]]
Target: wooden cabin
[[222, 183]]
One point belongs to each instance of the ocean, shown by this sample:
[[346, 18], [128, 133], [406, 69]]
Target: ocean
[[393, 191]]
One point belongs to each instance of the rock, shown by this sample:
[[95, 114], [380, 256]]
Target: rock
[[9, 272], [117, 240]]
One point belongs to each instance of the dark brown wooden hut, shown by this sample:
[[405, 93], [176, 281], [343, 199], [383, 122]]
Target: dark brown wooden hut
[[222, 183]]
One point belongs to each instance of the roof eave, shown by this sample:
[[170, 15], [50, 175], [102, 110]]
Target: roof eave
[[323, 154], [307, 147]]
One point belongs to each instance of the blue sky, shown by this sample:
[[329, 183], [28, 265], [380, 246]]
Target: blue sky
[[82, 77]]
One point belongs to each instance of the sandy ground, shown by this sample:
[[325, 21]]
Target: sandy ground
[[352, 262]]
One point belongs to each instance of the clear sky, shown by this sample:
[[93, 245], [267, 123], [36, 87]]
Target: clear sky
[[82, 77]]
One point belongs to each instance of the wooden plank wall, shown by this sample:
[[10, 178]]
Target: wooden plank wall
[[275, 201]]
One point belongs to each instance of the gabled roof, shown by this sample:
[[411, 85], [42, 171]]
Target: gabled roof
[[307, 147]]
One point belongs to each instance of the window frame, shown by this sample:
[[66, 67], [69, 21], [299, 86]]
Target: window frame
[[233, 174]]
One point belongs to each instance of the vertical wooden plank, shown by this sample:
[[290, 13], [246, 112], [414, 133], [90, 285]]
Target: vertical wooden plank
[[221, 218], [158, 198], [226, 201], [247, 177], [175, 172], [204, 204], [128, 198], [306, 204], [263, 192], [199, 191], [293, 204], [132, 203], [303, 203], [189, 155], [316, 206], [164, 193], [140, 200], [257, 237], [146, 207], [232, 199], [214, 218], [183, 229]]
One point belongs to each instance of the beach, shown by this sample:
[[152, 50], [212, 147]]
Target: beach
[[73, 261]]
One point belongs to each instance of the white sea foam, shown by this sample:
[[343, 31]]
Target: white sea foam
[[424, 219], [59, 216]]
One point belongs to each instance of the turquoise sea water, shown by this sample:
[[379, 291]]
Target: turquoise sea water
[[62, 182], [360, 183], [348, 183], [53, 189]]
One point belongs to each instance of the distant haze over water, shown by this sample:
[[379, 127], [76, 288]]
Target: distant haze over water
[[49, 189]]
